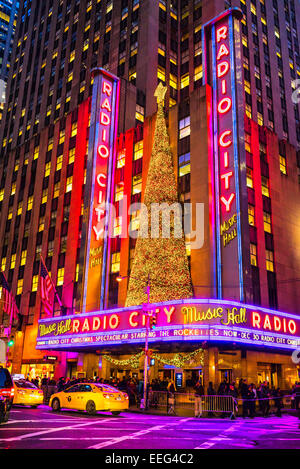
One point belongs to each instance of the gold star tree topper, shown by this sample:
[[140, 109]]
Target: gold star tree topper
[[160, 93]]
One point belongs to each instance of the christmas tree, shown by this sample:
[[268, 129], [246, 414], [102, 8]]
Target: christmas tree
[[160, 253]]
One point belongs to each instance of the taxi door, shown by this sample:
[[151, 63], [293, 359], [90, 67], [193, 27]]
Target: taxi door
[[70, 397], [85, 394]]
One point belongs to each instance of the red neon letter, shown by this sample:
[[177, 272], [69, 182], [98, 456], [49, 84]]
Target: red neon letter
[[222, 143], [222, 51], [107, 88], [292, 326], [99, 177], [222, 33], [256, 319], [277, 323], [228, 202], [224, 105], [226, 178], [104, 119], [222, 69], [103, 151], [106, 105]]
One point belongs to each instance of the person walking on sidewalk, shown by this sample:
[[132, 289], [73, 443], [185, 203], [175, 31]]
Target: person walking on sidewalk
[[171, 389], [199, 392]]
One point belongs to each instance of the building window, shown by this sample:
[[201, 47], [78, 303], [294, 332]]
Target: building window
[[119, 194], [135, 220], [251, 214], [269, 260], [282, 164], [265, 186], [249, 178], [267, 222], [69, 184], [184, 127], [23, 257], [117, 226], [44, 196], [35, 282], [56, 190], [30, 203], [253, 254], [71, 155], [138, 150], [60, 276], [20, 286], [115, 262], [137, 184], [47, 169], [61, 136], [185, 81], [13, 261], [36, 153], [74, 129], [59, 162], [121, 158], [184, 164]]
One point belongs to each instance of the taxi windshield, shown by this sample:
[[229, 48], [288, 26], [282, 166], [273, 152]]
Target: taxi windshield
[[22, 383]]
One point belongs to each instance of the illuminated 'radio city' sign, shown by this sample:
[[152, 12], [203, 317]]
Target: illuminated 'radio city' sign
[[220, 40], [95, 247], [178, 320]]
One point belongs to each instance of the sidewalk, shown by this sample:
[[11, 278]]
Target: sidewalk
[[181, 412]]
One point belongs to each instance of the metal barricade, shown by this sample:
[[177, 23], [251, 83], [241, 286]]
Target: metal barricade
[[170, 403]]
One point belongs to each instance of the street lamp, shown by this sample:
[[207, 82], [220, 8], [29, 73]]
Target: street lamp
[[119, 279]]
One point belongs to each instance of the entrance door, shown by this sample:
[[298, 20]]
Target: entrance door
[[270, 372], [225, 375]]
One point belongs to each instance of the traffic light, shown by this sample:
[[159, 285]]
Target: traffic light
[[11, 342], [153, 320]]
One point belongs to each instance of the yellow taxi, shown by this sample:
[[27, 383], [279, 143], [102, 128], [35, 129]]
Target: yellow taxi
[[91, 397], [26, 393]]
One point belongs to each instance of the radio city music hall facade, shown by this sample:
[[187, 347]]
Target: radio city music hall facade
[[240, 318]]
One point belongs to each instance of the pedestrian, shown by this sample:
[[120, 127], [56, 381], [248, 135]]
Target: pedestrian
[[44, 386], [245, 397], [265, 395], [277, 394], [199, 392], [171, 389], [252, 400], [297, 398], [60, 384]]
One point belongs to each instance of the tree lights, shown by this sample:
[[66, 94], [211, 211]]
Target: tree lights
[[164, 259]]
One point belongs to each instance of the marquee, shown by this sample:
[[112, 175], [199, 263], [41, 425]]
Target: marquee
[[180, 321]]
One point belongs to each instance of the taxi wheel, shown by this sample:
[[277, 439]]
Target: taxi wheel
[[91, 407], [34, 406], [116, 413], [55, 405]]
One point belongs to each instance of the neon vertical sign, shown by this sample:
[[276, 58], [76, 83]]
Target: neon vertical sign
[[98, 194], [220, 72]]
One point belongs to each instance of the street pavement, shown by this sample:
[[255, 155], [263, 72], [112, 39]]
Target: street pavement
[[42, 429]]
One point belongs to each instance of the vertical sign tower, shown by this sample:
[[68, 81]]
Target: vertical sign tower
[[95, 242], [223, 74]]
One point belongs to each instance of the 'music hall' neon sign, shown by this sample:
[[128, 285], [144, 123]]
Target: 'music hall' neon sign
[[182, 320]]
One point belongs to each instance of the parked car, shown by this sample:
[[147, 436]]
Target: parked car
[[27, 393], [6, 394], [90, 397]]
